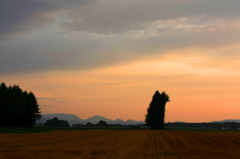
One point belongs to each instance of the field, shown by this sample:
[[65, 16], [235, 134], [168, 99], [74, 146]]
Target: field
[[120, 144]]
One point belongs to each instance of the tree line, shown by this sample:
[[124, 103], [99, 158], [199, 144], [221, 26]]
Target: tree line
[[55, 122], [18, 107]]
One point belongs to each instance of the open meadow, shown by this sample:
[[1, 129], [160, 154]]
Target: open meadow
[[120, 144]]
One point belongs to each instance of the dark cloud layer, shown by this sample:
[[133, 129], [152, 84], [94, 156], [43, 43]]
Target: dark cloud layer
[[23, 15], [42, 55], [14, 12], [88, 34]]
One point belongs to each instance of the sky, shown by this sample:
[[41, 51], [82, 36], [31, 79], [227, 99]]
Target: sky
[[108, 57]]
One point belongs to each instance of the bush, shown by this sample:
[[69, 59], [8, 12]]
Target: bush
[[55, 122]]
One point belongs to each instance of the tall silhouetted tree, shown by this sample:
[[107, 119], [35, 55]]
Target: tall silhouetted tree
[[156, 111], [17, 108]]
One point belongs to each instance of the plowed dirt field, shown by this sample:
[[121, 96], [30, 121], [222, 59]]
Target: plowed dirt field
[[121, 144]]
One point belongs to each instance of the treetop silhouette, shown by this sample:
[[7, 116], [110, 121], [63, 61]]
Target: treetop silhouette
[[17, 108], [156, 111]]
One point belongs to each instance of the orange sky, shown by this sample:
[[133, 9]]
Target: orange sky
[[201, 89], [108, 57]]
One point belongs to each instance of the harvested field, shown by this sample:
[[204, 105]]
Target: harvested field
[[120, 144]]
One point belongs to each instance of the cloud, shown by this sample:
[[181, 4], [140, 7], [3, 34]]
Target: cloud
[[27, 15], [53, 100], [87, 34], [13, 13], [49, 50], [118, 16], [105, 16]]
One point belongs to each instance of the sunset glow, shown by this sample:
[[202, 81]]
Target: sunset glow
[[108, 58]]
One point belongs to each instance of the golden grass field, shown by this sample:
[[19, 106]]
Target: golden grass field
[[120, 144]]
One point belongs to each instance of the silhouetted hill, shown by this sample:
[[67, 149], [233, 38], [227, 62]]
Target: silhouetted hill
[[133, 122], [95, 119], [73, 119], [62, 116], [178, 122], [227, 120], [118, 121]]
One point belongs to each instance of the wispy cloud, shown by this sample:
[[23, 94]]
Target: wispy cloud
[[52, 100]]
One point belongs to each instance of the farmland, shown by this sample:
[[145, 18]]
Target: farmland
[[120, 144]]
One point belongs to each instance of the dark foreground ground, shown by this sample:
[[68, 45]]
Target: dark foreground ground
[[120, 144]]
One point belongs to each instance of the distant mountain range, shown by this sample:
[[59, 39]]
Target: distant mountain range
[[73, 119]]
